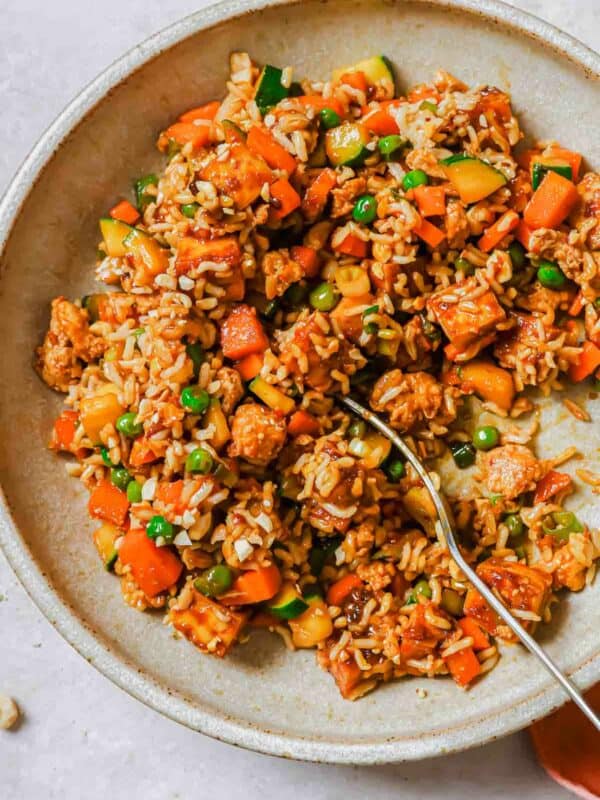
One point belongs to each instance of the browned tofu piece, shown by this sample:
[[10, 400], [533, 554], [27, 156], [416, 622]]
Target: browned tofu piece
[[521, 587], [212, 627], [240, 176], [470, 318]]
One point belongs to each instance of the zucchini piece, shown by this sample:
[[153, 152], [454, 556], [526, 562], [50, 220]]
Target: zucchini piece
[[287, 603], [313, 626], [147, 253], [271, 396], [376, 69], [472, 178], [91, 303], [269, 89], [215, 416], [312, 593], [540, 166], [114, 232], [104, 539], [346, 144], [142, 198]]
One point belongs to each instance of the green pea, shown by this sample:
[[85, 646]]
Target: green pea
[[120, 477], [214, 581], [388, 145], [413, 179], [189, 210], [324, 297], [463, 454], [486, 437], [195, 399], [427, 105], [514, 523], [106, 457], [160, 528], [134, 492], [452, 602], [550, 275], [395, 470], [422, 587], [462, 265], [365, 209], [516, 251], [127, 425], [195, 352], [329, 118], [199, 460], [295, 295], [357, 429]]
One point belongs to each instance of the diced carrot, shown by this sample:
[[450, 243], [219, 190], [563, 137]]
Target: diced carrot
[[261, 143], [380, 121], [471, 628], [429, 233], [577, 305], [169, 493], [250, 366], [552, 483], [64, 429], [423, 92], [346, 674], [490, 382], [476, 608], [142, 452], [357, 80], [108, 503], [353, 246], [523, 235], [573, 159], [242, 334], [463, 666], [154, 568], [317, 193], [308, 259], [338, 591], [207, 111], [125, 212], [587, 363], [184, 132], [284, 198], [431, 200], [567, 746], [253, 586], [318, 102], [496, 232], [551, 202], [303, 422]]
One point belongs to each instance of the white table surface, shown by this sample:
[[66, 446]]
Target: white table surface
[[80, 736]]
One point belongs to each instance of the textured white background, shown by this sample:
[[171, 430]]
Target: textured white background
[[81, 737]]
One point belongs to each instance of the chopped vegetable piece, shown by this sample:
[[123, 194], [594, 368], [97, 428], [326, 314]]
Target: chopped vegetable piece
[[154, 569], [250, 366], [318, 103], [125, 212], [516, 251], [160, 528], [551, 484], [431, 200], [120, 478], [564, 524], [496, 232], [463, 454], [127, 425], [114, 232], [550, 275], [301, 422], [284, 198], [308, 259], [390, 144], [515, 525], [472, 178], [313, 626], [242, 334], [452, 602], [104, 538], [568, 157], [413, 179], [195, 399], [486, 437], [395, 470], [587, 363], [207, 111], [329, 118], [142, 197], [189, 210], [108, 503], [183, 133], [346, 144], [199, 460], [269, 89], [64, 429], [215, 417], [365, 209], [272, 396], [376, 69], [214, 581], [471, 628], [551, 203], [134, 492], [318, 193], [357, 80], [287, 603], [540, 167], [462, 265], [381, 122], [338, 591], [463, 666], [353, 245], [261, 143], [429, 233], [324, 297], [372, 449], [143, 451], [254, 586]]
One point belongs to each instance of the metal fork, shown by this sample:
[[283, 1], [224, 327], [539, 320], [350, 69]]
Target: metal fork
[[481, 587]]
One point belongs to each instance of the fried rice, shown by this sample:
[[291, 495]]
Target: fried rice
[[304, 241]]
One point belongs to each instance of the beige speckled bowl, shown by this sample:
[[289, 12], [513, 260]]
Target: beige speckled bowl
[[262, 697]]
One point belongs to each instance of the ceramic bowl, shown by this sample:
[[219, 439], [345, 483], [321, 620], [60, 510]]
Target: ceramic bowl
[[262, 697]]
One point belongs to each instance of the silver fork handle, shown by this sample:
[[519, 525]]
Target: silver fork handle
[[481, 587]]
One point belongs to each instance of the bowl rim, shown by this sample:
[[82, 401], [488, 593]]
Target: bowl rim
[[63, 617]]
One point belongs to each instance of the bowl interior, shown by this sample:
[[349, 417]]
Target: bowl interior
[[262, 696]]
